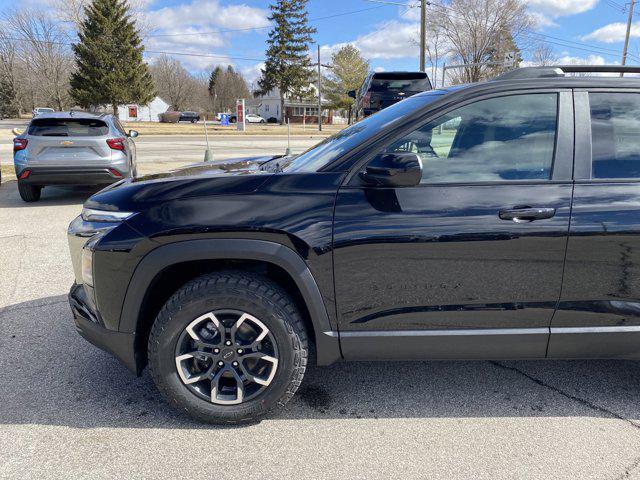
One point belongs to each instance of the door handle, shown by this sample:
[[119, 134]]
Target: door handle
[[526, 214]]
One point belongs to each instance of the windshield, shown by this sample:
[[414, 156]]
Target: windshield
[[334, 147]]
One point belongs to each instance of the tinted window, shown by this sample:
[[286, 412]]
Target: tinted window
[[615, 133], [67, 127], [505, 138], [400, 84], [333, 147]]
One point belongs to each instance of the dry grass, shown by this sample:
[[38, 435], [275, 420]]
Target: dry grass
[[7, 171], [153, 128]]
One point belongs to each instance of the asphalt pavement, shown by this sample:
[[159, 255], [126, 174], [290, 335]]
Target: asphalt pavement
[[69, 410]]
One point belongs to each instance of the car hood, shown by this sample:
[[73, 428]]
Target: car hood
[[232, 177]]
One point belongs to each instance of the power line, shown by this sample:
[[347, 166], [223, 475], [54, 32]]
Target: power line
[[159, 52], [616, 5], [398, 4], [565, 42], [311, 20], [204, 55]]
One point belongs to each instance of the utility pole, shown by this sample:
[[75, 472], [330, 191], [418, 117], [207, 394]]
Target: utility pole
[[626, 39], [423, 34], [319, 92]]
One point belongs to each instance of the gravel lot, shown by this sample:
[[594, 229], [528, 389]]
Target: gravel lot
[[68, 410]]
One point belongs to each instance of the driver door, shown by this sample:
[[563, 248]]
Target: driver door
[[450, 268]]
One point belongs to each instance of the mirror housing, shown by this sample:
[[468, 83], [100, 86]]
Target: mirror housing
[[400, 169], [132, 134], [352, 93]]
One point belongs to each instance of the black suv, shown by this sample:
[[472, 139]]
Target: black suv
[[382, 89], [492, 221]]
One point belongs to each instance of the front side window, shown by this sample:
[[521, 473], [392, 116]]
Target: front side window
[[498, 139], [615, 135], [353, 136]]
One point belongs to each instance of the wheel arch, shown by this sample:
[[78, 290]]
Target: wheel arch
[[211, 252]]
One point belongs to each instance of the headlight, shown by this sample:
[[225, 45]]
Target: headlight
[[91, 215]]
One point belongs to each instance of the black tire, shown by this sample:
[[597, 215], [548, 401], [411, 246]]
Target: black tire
[[29, 193], [235, 290]]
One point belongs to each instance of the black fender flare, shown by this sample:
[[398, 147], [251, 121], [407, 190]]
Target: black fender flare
[[327, 341]]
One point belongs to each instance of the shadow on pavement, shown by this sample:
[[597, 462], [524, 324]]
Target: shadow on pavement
[[50, 375], [51, 195]]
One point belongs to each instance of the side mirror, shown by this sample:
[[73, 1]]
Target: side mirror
[[352, 93], [401, 169], [132, 133]]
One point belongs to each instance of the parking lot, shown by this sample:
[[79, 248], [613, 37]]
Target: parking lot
[[69, 410]]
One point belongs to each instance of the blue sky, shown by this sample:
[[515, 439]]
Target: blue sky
[[577, 30]]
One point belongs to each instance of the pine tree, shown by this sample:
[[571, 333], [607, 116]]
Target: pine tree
[[288, 65], [214, 78], [8, 97], [110, 68], [503, 44]]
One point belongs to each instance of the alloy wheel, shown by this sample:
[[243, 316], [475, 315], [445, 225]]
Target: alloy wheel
[[226, 357]]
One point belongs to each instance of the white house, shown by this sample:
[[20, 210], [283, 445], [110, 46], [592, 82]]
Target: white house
[[296, 110], [143, 113], [266, 106]]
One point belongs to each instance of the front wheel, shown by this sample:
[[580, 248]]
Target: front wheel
[[29, 193], [228, 347]]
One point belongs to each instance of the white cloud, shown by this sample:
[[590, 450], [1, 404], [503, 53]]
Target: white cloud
[[188, 27], [252, 73], [614, 32], [561, 8], [545, 11], [208, 13], [542, 21], [392, 39], [588, 60]]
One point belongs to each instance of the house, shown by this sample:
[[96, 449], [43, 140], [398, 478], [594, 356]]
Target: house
[[296, 110], [143, 113]]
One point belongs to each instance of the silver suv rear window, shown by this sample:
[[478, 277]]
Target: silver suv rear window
[[67, 127]]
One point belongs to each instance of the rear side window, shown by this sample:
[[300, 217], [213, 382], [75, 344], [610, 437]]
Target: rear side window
[[67, 127], [615, 135]]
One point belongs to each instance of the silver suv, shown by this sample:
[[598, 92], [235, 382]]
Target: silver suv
[[72, 148]]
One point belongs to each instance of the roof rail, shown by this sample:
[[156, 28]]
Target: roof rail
[[560, 71]]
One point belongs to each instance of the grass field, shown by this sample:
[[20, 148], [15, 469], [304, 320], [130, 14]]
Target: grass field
[[153, 128]]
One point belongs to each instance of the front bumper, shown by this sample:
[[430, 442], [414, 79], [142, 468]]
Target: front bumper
[[120, 345]]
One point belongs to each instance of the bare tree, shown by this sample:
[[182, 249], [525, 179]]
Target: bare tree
[[543, 55], [173, 82], [480, 31], [72, 12], [44, 60], [230, 85], [9, 104]]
